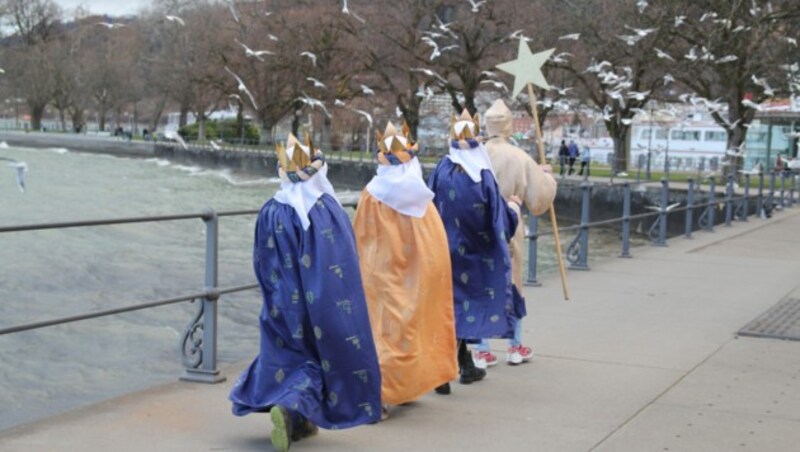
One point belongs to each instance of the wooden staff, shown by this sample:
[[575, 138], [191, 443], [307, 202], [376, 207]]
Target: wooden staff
[[552, 210]]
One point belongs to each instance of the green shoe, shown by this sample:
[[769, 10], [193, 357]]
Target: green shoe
[[281, 428]]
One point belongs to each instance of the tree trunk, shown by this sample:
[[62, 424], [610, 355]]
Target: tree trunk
[[184, 118], [135, 128], [325, 139], [240, 120], [157, 113], [201, 127], [620, 152], [76, 115], [63, 119], [37, 111], [736, 137], [102, 119], [296, 122]]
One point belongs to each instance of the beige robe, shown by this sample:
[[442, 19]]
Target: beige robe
[[519, 175]]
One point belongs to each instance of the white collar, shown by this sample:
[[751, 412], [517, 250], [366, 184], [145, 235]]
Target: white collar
[[472, 160], [303, 196], [402, 188]]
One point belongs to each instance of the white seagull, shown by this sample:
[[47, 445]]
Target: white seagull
[[243, 88], [314, 103], [173, 135], [429, 73], [662, 54], [667, 209], [476, 5], [317, 83], [365, 115], [571, 37], [110, 25], [254, 53], [310, 56], [346, 10], [367, 90], [176, 19], [20, 168]]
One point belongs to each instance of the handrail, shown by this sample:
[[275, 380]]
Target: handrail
[[213, 294], [198, 342], [638, 216], [145, 219]]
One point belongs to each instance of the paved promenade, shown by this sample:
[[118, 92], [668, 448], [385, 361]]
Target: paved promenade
[[643, 358]]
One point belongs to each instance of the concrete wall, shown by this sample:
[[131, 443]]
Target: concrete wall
[[606, 200], [83, 143]]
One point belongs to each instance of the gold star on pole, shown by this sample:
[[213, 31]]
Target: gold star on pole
[[527, 68]]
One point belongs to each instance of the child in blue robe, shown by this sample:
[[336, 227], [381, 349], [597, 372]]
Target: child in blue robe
[[479, 224], [317, 365]]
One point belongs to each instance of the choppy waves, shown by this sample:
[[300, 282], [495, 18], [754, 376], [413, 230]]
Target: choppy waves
[[228, 175]]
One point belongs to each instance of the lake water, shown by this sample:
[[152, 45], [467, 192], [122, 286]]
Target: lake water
[[56, 273]]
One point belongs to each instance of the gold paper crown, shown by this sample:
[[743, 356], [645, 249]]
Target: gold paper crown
[[397, 151], [466, 133], [300, 159]]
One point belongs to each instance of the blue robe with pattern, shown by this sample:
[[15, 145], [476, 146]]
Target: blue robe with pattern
[[317, 355], [479, 223]]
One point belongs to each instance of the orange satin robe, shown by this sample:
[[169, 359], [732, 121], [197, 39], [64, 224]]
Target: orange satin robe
[[405, 267]]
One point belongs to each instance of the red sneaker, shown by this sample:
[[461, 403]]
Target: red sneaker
[[518, 354], [484, 359]]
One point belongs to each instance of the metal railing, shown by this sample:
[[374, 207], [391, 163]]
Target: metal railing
[[198, 343], [734, 207]]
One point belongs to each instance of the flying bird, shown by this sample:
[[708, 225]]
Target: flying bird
[[641, 32], [254, 53], [571, 37], [430, 73], [561, 57], [313, 103], [233, 12], [496, 83], [366, 115], [346, 11], [110, 25], [20, 168], [662, 54], [310, 56], [476, 5], [630, 39], [176, 19], [317, 83], [727, 59], [173, 135], [666, 209], [367, 90], [750, 104], [243, 88]]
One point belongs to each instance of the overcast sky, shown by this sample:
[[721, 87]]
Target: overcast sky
[[110, 7]]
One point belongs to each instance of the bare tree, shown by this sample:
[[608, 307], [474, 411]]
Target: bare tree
[[36, 22], [615, 61], [730, 55]]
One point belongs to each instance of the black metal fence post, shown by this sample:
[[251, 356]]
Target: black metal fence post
[[626, 220], [689, 209]]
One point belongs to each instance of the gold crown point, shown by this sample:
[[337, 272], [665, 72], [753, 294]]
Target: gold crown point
[[390, 129]]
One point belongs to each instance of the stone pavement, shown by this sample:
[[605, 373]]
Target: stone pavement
[[644, 357]]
